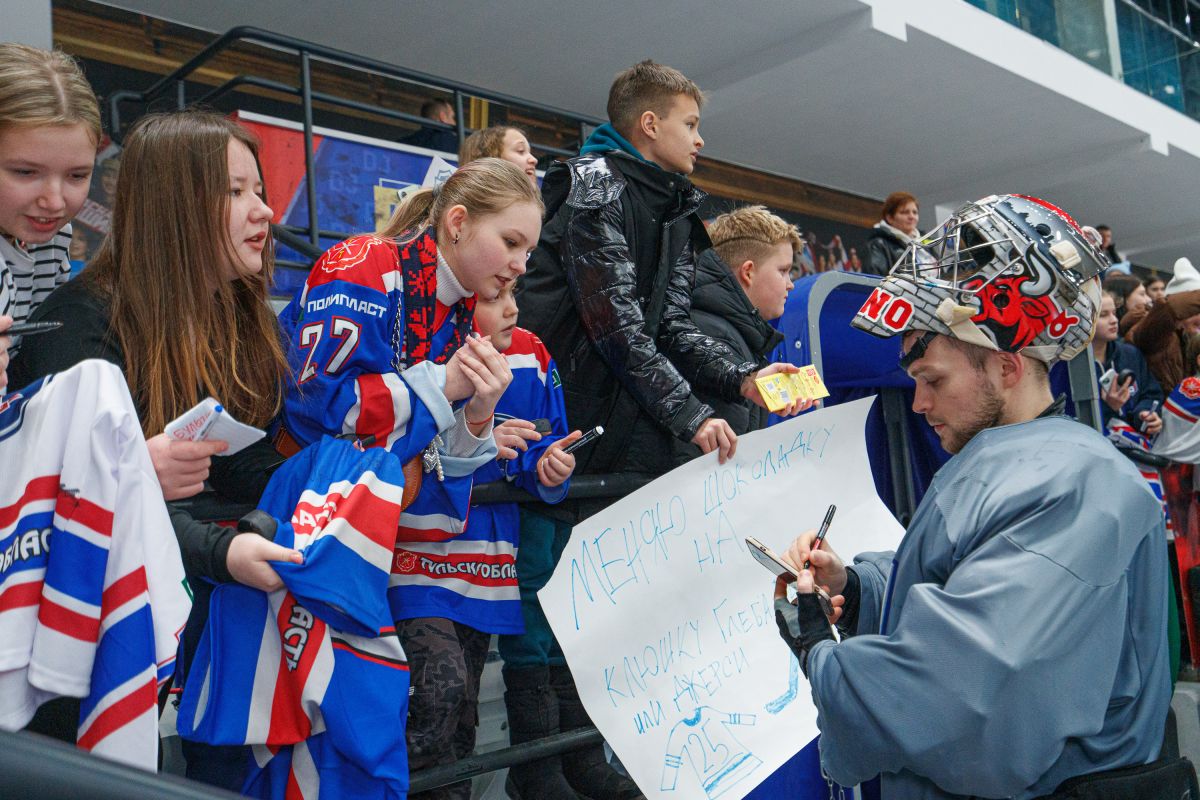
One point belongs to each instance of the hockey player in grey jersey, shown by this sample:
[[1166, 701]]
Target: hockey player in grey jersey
[[1017, 637]]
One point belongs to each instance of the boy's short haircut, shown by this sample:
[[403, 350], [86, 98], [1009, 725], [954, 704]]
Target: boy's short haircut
[[749, 233], [647, 86], [431, 107]]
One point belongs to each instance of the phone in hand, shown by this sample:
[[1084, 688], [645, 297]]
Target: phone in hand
[[780, 569], [767, 557], [1106, 380]]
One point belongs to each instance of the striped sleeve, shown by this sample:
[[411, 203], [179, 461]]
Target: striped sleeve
[[31, 274]]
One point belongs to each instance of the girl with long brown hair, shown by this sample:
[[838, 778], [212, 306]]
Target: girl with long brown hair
[[383, 349], [177, 297]]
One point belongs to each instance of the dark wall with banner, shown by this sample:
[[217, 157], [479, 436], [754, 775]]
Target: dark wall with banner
[[359, 180]]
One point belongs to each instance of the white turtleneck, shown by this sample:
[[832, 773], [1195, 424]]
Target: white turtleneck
[[459, 439], [449, 290]]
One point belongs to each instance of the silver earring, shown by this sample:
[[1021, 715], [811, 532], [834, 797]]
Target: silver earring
[[455, 239]]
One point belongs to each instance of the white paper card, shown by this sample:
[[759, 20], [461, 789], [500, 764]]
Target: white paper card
[[209, 421]]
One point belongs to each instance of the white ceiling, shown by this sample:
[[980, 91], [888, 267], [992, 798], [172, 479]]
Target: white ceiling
[[931, 96]]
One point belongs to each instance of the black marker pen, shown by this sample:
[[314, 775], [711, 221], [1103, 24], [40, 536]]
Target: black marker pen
[[587, 438], [816, 545]]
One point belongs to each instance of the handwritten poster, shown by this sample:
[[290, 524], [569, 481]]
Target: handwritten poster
[[668, 624]]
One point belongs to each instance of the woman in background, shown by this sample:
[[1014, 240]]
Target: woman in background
[[892, 235]]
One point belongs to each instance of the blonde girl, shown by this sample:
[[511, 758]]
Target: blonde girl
[[49, 132], [500, 141]]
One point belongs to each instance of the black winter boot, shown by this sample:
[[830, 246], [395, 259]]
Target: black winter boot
[[587, 770], [533, 714]]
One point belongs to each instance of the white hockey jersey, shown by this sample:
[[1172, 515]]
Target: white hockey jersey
[[92, 589]]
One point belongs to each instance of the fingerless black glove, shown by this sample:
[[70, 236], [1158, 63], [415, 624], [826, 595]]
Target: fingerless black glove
[[802, 625]]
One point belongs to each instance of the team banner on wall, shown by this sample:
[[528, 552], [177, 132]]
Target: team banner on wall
[[668, 624]]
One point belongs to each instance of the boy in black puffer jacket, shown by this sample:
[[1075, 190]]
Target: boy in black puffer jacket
[[609, 292], [609, 288]]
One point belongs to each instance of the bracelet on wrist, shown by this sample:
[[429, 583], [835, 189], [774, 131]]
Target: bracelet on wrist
[[483, 421]]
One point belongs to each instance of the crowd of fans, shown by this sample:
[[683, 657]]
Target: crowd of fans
[[423, 338]]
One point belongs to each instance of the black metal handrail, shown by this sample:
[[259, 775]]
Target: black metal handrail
[[484, 763], [175, 81], [211, 507], [288, 236]]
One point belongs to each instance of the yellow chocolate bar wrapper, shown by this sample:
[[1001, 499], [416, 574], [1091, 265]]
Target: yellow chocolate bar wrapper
[[814, 387], [776, 390], [782, 388]]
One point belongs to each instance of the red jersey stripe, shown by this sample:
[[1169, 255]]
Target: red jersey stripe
[[404, 534], [376, 414], [360, 508], [289, 723], [21, 595], [68, 622], [122, 591], [293, 791], [44, 488], [120, 713], [84, 511]]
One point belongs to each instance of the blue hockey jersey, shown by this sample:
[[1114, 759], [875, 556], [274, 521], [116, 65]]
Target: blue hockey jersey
[[313, 674], [370, 333], [472, 578]]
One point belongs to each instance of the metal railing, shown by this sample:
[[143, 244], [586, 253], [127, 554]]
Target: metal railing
[[174, 83], [34, 766]]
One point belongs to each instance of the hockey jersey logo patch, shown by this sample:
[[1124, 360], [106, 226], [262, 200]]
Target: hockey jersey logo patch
[[9, 400], [24, 547], [350, 253], [406, 562]]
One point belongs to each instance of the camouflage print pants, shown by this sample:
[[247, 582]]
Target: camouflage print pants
[[445, 660]]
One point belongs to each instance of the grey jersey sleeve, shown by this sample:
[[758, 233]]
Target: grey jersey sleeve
[[967, 671], [872, 570]]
